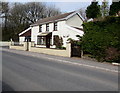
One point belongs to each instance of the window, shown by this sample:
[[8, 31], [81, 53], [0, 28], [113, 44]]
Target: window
[[47, 27], [40, 28], [55, 26], [41, 41]]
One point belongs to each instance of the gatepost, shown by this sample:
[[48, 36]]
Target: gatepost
[[68, 49], [27, 46]]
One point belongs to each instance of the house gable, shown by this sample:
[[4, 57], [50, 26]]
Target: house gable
[[26, 32], [75, 21]]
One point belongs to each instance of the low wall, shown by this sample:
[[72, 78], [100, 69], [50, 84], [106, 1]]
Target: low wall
[[17, 47], [58, 52], [4, 43], [50, 51]]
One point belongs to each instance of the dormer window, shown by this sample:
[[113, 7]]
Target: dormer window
[[55, 26], [40, 28], [47, 27]]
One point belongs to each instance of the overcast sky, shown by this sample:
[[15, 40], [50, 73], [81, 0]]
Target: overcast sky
[[63, 5]]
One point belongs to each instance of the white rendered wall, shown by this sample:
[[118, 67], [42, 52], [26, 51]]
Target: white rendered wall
[[21, 39], [44, 28], [50, 27], [34, 33], [62, 30], [66, 33], [74, 21]]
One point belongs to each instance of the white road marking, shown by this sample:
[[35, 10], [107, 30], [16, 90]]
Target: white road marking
[[64, 61], [68, 62]]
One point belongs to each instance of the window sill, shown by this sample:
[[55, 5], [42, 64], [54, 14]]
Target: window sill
[[41, 44]]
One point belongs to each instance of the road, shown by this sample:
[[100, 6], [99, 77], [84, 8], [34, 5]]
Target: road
[[28, 73]]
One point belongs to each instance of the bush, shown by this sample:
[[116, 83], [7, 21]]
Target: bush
[[112, 54], [61, 47], [58, 41], [100, 36]]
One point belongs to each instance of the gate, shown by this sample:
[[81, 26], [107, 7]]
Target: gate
[[75, 50], [27, 43]]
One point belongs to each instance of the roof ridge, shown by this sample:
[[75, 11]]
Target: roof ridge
[[53, 18], [59, 15]]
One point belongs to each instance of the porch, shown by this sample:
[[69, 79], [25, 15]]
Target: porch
[[45, 40]]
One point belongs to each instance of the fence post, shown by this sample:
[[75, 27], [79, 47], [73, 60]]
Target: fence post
[[68, 49]]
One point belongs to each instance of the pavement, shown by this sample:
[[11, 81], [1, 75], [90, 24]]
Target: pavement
[[29, 71]]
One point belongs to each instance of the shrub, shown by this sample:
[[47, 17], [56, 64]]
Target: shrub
[[58, 41], [100, 36], [112, 54]]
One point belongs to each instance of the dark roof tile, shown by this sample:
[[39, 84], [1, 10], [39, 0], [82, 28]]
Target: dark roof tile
[[52, 19], [28, 33]]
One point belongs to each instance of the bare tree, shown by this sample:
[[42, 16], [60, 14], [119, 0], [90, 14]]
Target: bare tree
[[4, 8], [16, 20], [20, 16], [52, 11], [17, 14], [82, 12], [35, 11], [105, 8]]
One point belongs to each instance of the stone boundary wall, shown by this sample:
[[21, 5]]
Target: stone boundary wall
[[18, 47], [57, 52]]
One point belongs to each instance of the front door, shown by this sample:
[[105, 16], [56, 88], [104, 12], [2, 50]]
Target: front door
[[47, 41]]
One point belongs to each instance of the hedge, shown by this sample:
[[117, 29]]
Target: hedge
[[102, 39]]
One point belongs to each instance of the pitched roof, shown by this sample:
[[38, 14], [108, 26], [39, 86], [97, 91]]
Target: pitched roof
[[78, 28], [52, 19], [26, 32]]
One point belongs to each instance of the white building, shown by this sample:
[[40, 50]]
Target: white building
[[64, 26]]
